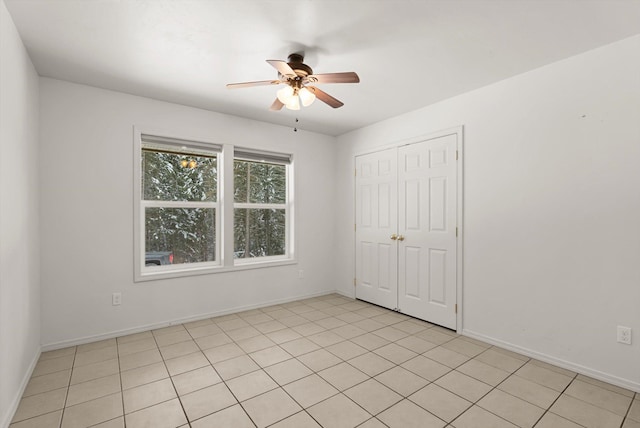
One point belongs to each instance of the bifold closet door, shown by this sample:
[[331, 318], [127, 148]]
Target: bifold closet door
[[427, 193], [376, 222]]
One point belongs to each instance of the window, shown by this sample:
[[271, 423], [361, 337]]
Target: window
[[260, 208], [181, 220], [179, 186]]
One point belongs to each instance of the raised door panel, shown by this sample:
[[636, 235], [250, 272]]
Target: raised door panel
[[376, 221]]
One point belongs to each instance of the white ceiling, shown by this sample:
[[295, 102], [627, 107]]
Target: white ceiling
[[408, 53]]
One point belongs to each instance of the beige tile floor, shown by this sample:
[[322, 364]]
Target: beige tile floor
[[324, 362]]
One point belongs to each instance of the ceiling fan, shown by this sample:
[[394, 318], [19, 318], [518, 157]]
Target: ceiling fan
[[297, 77]]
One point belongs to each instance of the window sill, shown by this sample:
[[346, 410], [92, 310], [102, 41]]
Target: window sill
[[207, 270]]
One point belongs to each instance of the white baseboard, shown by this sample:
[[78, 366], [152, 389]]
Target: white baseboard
[[6, 419], [596, 374], [139, 329]]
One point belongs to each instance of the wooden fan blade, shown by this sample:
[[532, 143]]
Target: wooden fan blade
[[282, 67], [249, 84], [347, 77], [277, 105], [325, 98]]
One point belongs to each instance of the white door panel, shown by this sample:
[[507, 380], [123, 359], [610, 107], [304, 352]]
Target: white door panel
[[376, 221], [427, 221]]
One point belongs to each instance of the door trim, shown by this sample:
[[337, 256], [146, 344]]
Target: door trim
[[458, 131]]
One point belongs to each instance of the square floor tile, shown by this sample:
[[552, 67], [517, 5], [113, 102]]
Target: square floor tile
[[426, 368], [511, 408], [463, 385], [204, 330], [164, 415], [499, 360], [94, 371], [551, 420], [373, 396], [446, 356], [270, 356], [143, 375], [255, 343], [346, 350], [283, 335], [243, 333], [406, 414], [600, 397], [442, 403], [147, 395], [195, 379], [338, 412], [370, 341], [416, 344], [326, 338], [63, 352], [139, 359], [483, 372], [93, 389], [288, 371], [173, 338], [92, 412], [48, 382], [299, 346], [319, 360], [343, 376], [584, 413], [270, 407], [43, 421], [251, 384], [129, 348], [529, 391], [477, 417], [39, 404], [212, 341], [53, 365], [371, 363], [179, 349], [231, 417], [134, 337], [186, 363], [310, 390], [390, 333], [207, 401], [544, 376], [224, 352], [395, 353], [299, 420], [238, 366], [95, 356], [465, 347]]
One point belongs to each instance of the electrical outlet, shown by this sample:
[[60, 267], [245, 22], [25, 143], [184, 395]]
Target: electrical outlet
[[300, 274], [116, 299], [624, 335]]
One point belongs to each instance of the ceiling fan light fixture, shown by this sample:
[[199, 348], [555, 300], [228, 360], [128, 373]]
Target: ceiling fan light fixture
[[285, 94], [306, 97], [293, 103]]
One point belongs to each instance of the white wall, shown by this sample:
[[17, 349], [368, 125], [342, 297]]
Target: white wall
[[19, 251], [87, 215], [551, 208]]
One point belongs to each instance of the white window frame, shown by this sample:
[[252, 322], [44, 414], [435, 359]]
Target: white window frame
[[250, 155], [224, 210]]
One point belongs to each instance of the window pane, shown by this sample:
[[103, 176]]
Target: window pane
[[259, 232], [178, 177], [258, 182], [179, 235]]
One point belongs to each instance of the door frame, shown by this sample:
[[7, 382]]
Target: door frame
[[458, 131]]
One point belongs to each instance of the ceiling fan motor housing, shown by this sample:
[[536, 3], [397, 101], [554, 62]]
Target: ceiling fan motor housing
[[301, 69]]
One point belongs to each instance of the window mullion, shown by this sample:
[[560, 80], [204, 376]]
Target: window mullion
[[226, 200]]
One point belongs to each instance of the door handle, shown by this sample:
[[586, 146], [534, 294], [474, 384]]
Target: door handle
[[400, 238], [394, 236]]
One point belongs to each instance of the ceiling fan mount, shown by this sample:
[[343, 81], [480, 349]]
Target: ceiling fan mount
[[297, 76]]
